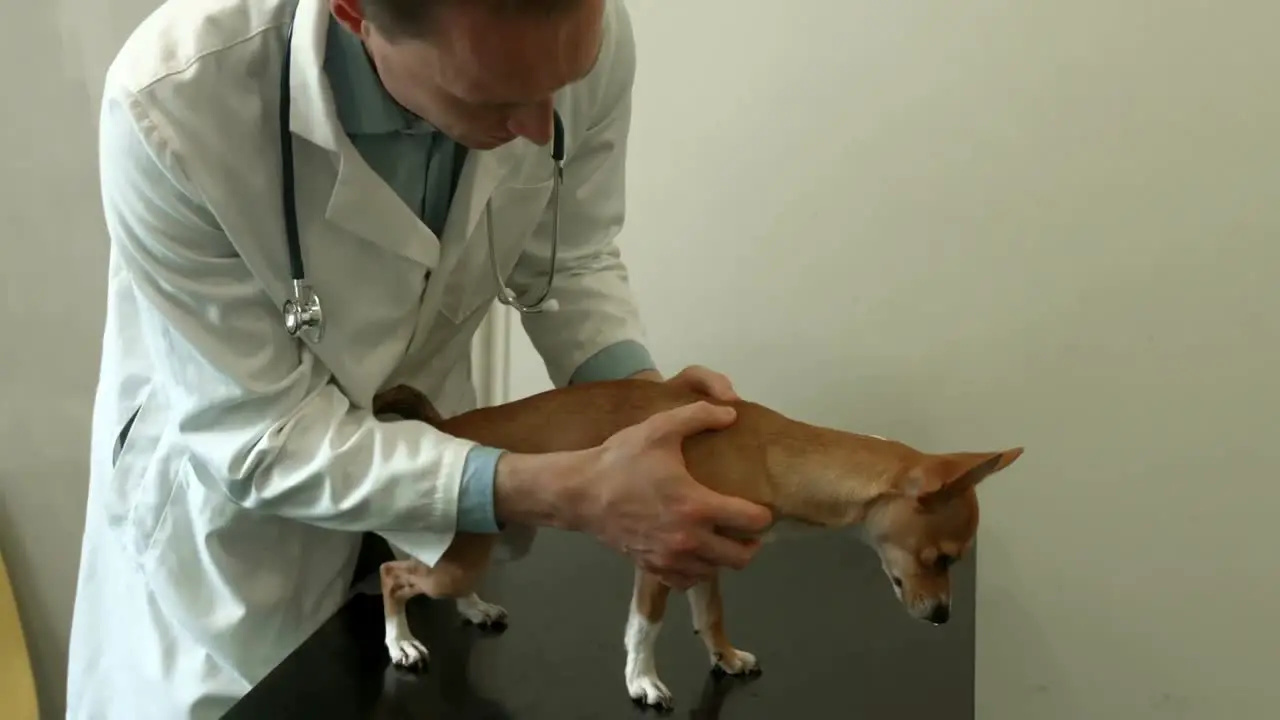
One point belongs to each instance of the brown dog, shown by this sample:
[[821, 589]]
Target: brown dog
[[917, 510]]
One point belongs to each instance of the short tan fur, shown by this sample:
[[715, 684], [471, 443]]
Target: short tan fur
[[918, 511]]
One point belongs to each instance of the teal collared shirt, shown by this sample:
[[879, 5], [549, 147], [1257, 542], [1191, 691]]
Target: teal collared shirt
[[422, 165]]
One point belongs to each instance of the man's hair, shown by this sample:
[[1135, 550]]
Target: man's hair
[[400, 18], [413, 18]]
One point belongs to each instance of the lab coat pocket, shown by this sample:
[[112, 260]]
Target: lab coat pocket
[[518, 210], [132, 500], [122, 437]]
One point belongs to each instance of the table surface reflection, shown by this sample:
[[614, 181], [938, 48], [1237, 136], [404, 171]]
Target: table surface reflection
[[815, 609]]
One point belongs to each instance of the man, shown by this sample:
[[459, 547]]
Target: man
[[235, 467]]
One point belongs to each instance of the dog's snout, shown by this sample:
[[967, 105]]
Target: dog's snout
[[940, 614]]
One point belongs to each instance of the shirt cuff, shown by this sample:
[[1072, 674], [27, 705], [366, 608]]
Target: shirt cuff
[[619, 360], [475, 496]]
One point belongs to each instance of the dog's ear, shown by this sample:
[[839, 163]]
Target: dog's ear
[[941, 477]]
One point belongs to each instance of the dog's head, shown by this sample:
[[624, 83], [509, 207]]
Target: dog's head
[[927, 522]]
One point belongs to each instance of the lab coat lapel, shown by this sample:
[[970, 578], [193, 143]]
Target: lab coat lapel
[[361, 203], [481, 175], [365, 205]]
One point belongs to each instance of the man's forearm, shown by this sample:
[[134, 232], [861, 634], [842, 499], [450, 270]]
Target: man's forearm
[[541, 489], [500, 487]]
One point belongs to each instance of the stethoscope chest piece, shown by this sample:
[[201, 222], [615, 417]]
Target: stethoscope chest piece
[[303, 314]]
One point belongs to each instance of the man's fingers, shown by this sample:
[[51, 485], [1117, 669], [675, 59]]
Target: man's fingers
[[682, 573], [717, 386], [692, 565], [728, 552], [707, 382], [693, 418], [677, 581], [737, 515]]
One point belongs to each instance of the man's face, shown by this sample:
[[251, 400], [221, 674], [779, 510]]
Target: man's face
[[481, 76]]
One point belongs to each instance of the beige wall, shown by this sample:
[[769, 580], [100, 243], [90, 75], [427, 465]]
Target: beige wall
[[978, 224], [52, 274], [965, 224]]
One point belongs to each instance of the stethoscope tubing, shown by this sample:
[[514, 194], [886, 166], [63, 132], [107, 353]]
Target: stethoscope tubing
[[302, 311]]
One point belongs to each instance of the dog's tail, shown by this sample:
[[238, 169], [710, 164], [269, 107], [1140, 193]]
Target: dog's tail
[[407, 403]]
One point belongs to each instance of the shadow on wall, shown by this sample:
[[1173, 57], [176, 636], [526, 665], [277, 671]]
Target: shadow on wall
[[53, 56]]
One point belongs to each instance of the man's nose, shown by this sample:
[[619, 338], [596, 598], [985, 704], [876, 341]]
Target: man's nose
[[534, 122]]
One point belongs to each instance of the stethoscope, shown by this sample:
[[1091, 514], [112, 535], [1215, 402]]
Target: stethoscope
[[303, 312]]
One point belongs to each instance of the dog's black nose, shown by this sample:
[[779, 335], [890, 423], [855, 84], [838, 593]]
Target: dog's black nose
[[940, 614]]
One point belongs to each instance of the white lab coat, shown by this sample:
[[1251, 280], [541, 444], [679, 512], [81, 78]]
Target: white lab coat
[[224, 530]]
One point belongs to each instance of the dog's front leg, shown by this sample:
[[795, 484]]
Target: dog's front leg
[[644, 621], [707, 609]]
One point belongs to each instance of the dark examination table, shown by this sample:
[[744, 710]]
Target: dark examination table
[[815, 609]]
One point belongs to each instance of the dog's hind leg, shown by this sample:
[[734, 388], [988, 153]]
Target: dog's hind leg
[[397, 579], [706, 606], [455, 577], [458, 575]]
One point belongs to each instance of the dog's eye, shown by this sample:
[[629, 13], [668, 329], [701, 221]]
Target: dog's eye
[[944, 561], [897, 581]]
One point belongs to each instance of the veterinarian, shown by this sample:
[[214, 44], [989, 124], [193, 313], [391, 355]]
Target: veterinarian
[[235, 463]]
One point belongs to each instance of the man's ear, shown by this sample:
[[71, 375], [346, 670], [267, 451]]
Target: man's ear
[[940, 477], [350, 13]]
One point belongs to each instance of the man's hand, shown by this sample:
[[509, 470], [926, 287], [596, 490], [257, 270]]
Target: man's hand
[[698, 379], [639, 498], [635, 493]]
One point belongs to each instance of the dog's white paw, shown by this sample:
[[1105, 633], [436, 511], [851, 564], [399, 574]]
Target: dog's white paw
[[409, 653], [642, 668], [647, 689], [479, 612], [737, 662], [405, 649]]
